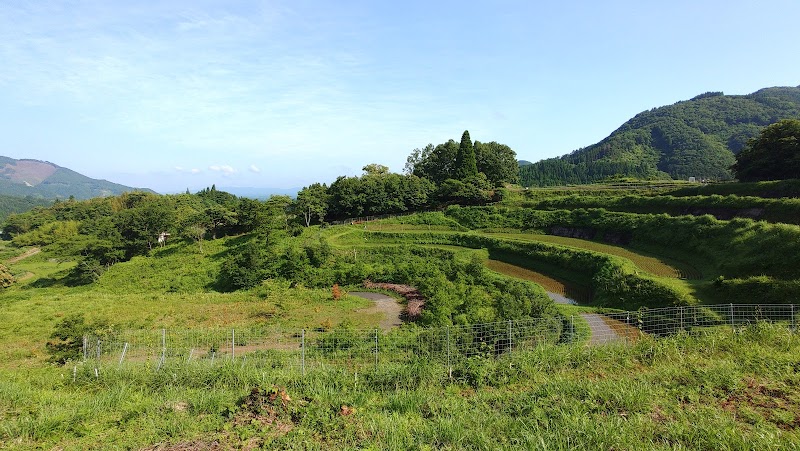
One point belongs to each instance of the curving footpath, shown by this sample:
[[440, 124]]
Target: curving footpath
[[387, 305]]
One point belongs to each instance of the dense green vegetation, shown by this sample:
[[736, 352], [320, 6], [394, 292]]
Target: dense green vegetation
[[740, 248], [694, 138], [773, 155], [721, 207], [13, 204], [465, 173]]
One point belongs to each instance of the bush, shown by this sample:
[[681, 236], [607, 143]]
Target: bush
[[66, 341]]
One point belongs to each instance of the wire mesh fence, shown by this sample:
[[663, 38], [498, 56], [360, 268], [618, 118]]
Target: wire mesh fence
[[354, 349]]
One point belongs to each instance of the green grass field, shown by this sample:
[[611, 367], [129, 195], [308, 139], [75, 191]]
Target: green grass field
[[720, 390]]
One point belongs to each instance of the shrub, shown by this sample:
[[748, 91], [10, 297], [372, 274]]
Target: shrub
[[66, 341]]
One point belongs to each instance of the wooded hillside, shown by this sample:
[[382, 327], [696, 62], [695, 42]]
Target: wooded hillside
[[693, 138]]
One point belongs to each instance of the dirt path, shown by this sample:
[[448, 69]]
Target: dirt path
[[387, 305], [561, 299], [601, 332], [30, 252]]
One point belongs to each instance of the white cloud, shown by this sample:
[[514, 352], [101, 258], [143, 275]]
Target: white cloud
[[224, 169], [254, 168], [183, 170]]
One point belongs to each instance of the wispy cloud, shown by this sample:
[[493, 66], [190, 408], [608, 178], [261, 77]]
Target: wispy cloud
[[183, 170], [254, 168]]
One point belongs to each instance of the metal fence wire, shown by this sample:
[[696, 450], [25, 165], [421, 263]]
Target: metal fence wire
[[350, 348]]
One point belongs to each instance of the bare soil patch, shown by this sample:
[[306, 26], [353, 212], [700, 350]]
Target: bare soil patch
[[30, 252], [414, 299], [392, 310]]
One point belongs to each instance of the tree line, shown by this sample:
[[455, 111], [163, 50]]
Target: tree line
[[453, 172]]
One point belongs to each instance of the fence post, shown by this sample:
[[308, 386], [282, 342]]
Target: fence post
[[85, 347], [124, 350], [509, 336], [449, 366], [163, 338], [571, 328], [303, 352], [376, 348], [163, 357], [681, 312], [731, 313], [233, 344]]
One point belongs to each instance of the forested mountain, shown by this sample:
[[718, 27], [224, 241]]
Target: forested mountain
[[14, 204], [692, 138], [45, 180]]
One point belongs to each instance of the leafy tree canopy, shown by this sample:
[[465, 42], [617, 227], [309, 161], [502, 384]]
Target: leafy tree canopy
[[773, 155], [452, 160]]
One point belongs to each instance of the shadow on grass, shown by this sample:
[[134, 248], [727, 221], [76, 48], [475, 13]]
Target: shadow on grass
[[230, 247]]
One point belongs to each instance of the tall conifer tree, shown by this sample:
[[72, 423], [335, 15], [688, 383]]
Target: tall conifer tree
[[466, 164]]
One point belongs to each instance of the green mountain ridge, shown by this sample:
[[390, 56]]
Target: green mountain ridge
[[691, 138], [44, 180]]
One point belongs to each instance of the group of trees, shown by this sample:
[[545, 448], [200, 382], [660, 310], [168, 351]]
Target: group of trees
[[451, 172], [104, 231], [463, 161], [772, 155]]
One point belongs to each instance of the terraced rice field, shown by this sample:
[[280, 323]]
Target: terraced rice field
[[648, 263], [576, 292]]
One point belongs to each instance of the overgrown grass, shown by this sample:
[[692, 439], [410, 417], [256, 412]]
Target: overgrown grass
[[716, 390]]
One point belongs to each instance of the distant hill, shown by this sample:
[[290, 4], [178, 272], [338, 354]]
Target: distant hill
[[260, 193], [45, 180], [693, 138]]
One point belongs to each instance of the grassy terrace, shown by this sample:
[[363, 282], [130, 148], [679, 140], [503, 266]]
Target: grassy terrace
[[658, 266], [554, 278]]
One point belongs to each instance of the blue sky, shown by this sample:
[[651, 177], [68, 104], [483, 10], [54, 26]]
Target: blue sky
[[182, 94]]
